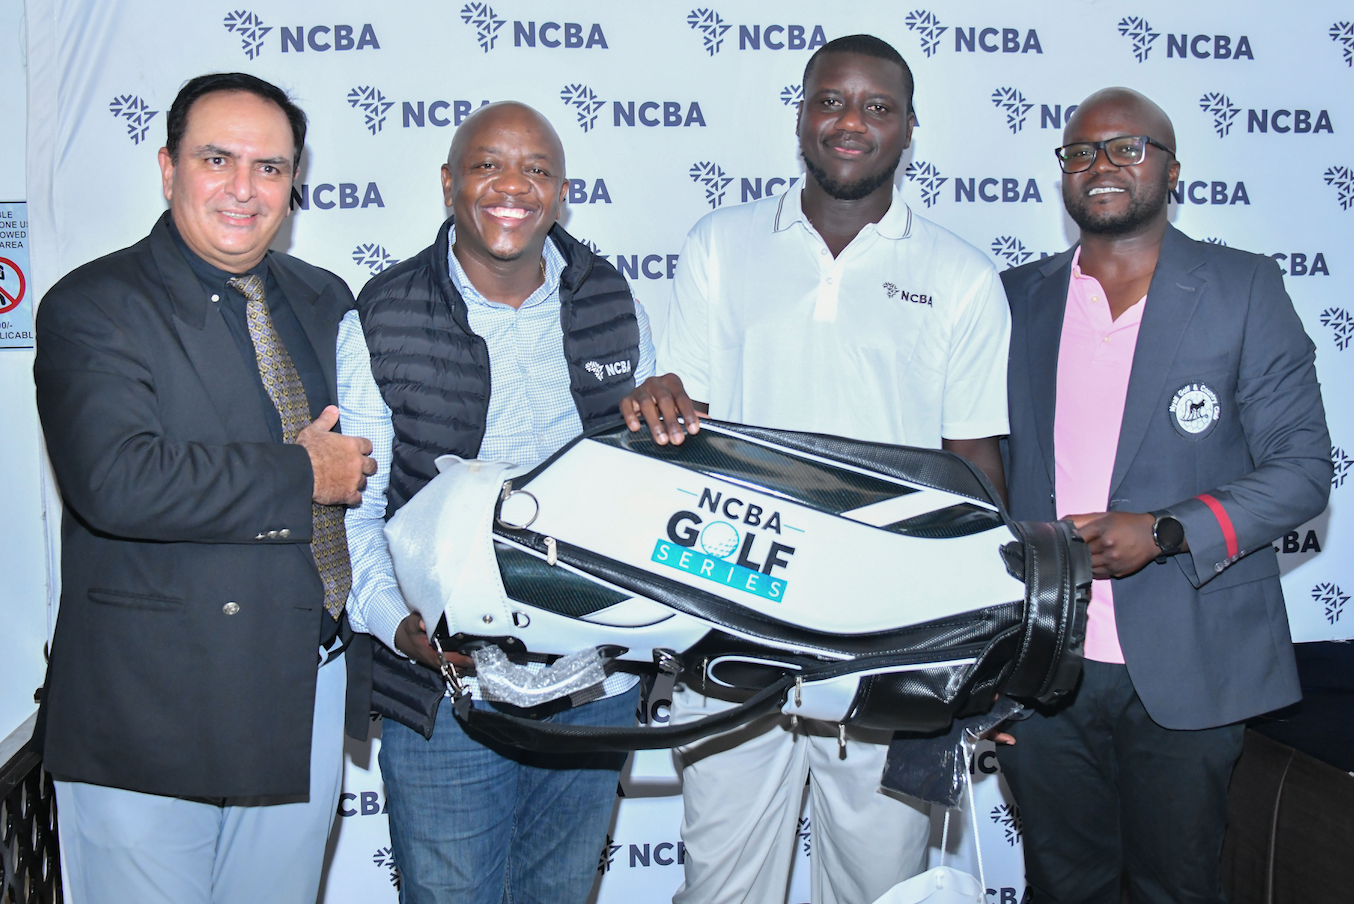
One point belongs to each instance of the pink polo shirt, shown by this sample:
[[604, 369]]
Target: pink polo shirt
[[1095, 358]]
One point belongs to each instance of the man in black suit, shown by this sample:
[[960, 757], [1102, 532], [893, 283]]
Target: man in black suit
[[1163, 396], [186, 388]]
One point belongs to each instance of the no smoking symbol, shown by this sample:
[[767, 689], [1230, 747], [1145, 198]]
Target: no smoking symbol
[[9, 295]]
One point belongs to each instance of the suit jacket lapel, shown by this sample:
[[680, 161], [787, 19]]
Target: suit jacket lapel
[[207, 342], [320, 329], [1172, 297], [1043, 335]]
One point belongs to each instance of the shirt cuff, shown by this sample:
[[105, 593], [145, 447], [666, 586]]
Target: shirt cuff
[[382, 617]]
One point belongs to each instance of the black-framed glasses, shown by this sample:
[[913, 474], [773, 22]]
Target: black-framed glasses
[[1126, 150]]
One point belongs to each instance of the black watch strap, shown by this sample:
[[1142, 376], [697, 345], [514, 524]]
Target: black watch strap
[[1168, 533]]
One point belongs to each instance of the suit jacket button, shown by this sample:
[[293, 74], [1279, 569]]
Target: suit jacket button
[[272, 535], [231, 608], [261, 536], [284, 533], [1218, 567]]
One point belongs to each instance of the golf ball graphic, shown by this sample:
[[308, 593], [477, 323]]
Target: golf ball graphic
[[719, 539]]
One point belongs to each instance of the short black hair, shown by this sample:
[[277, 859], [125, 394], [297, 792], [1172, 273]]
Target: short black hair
[[864, 45], [176, 123]]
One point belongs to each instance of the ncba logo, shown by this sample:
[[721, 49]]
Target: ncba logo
[[385, 858], [1342, 33], [327, 196], [928, 179], [137, 113], [1011, 251], [703, 548], [1332, 599], [373, 105], [608, 857], [713, 28], [1184, 45], [374, 258], [1300, 122], [250, 28], [1017, 108], [650, 113], [973, 38], [804, 832], [634, 266], [1343, 464], [319, 38], [1342, 177], [1008, 817], [570, 35], [1014, 105], [1293, 542], [792, 95], [1341, 324], [1006, 189], [715, 181], [1300, 264], [418, 115], [585, 102], [1200, 192], [664, 853], [363, 803], [316, 38]]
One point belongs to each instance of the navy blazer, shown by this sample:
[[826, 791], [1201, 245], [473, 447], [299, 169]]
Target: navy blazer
[[1204, 634], [185, 651]]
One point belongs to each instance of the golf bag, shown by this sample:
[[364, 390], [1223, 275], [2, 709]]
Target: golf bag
[[860, 583]]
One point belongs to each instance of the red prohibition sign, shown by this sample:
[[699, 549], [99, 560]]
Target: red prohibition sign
[[9, 302]]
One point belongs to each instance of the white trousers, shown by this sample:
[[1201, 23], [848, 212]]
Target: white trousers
[[125, 846], [741, 794]]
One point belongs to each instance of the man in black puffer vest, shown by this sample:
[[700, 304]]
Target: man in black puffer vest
[[501, 341]]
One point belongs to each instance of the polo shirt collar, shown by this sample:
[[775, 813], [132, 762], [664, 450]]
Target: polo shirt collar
[[896, 223]]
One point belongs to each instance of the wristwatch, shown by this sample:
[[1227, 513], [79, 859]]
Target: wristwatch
[[1168, 533]]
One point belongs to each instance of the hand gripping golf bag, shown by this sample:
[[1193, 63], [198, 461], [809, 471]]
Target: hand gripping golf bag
[[859, 583]]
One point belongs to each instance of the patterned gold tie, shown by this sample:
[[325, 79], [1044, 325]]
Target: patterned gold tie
[[329, 538]]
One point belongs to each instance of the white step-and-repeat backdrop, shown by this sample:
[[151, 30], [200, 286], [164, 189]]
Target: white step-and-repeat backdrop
[[668, 111]]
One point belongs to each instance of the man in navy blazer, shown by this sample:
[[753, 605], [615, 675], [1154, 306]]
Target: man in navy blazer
[[1163, 396]]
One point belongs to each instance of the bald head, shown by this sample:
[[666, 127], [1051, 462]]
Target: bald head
[[1130, 111], [508, 120]]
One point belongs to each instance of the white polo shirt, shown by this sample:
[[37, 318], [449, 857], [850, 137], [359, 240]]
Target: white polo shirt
[[901, 339]]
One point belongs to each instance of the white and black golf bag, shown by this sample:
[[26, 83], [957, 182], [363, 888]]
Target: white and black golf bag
[[860, 583]]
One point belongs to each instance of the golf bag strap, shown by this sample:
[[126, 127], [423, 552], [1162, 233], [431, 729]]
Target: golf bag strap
[[551, 737]]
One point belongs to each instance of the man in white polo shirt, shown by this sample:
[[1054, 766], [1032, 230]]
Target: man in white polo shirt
[[832, 310]]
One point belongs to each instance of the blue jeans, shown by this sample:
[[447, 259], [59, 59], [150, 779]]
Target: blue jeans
[[476, 823]]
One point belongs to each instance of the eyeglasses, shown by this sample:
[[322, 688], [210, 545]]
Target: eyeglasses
[[1126, 150]]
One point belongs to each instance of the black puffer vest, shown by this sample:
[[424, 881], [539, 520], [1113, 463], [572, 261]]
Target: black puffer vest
[[433, 371]]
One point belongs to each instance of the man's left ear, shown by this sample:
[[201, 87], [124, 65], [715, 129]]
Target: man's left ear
[[1173, 171]]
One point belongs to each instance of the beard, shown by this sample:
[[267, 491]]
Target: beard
[[1143, 207], [850, 191]]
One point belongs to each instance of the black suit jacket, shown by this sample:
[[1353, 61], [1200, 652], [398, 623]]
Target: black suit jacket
[[1204, 634], [184, 657]]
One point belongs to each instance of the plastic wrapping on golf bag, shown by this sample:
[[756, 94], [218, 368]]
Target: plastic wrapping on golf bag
[[856, 582]]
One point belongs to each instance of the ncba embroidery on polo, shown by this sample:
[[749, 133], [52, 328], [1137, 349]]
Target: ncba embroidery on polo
[[915, 297]]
